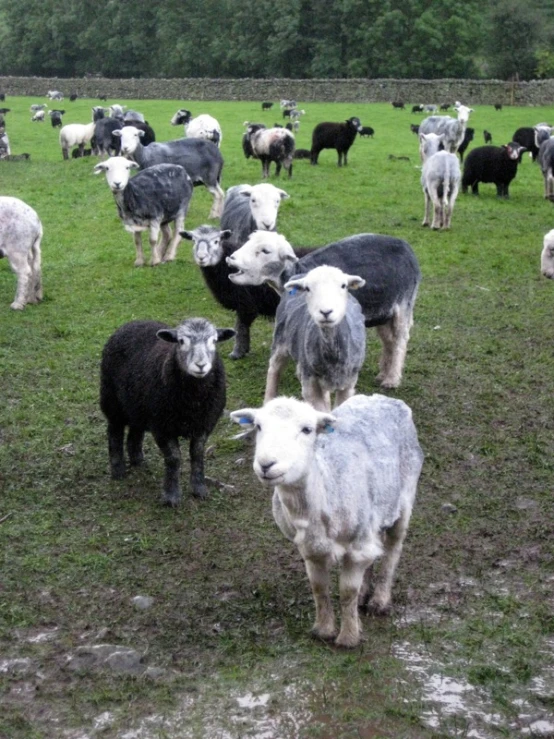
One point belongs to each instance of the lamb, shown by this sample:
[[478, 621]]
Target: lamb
[[339, 136], [202, 127], [56, 117], [367, 131], [246, 209], [105, 142], [487, 135], [398, 104], [267, 105], [496, 164], [271, 145], [20, 237], [547, 256], [149, 202], [75, 134], [38, 117], [440, 180], [453, 129], [468, 138], [387, 264], [54, 95], [546, 163], [323, 330], [169, 381], [201, 159], [344, 486]]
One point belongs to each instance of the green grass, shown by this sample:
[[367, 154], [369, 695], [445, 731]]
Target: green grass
[[232, 607]]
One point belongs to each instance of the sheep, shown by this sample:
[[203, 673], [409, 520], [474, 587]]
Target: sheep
[[201, 159], [387, 264], [287, 104], [5, 149], [366, 131], [105, 142], [468, 138], [117, 111], [169, 381], [75, 134], [2, 95], [546, 163], [271, 145], [295, 114], [267, 105], [202, 127], [496, 164], [323, 330], [440, 180], [414, 128], [398, 104], [73, 97], [487, 135], [417, 108], [20, 237], [302, 154], [149, 134], [16, 157], [444, 106], [56, 117], [54, 95], [4, 111], [339, 136], [453, 129], [38, 117], [37, 106], [526, 138], [547, 256], [430, 108], [133, 116], [246, 209], [149, 202], [98, 112], [344, 486], [498, 106]]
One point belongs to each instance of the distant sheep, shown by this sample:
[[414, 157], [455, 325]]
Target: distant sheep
[[75, 134], [302, 154], [38, 117], [487, 135], [271, 145], [497, 164], [267, 106], [344, 488], [498, 106], [399, 104], [202, 127], [54, 95], [56, 117], [367, 131], [417, 108], [5, 149], [20, 237], [547, 256], [169, 381], [339, 136]]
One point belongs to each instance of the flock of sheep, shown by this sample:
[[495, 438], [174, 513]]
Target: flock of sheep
[[345, 474]]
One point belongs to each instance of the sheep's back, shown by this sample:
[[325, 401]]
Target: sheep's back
[[489, 164], [163, 189]]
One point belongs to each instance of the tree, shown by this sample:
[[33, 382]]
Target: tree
[[512, 39]]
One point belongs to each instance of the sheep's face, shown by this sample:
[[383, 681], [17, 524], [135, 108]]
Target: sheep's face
[[130, 138], [265, 200], [513, 151], [547, 256], [326, 292], [196, 341], [118, 171], [286, 434], [355, 123], [463, 112], [207, 242], [429, 144], [263, 258], [181, 117]]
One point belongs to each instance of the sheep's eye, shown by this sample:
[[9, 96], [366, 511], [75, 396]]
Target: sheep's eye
[[182, 342], [307, 430], [307, 289], [265, 251], [258, 427], [344, 286]]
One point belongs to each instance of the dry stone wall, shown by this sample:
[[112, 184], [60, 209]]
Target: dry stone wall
[[471, 92]]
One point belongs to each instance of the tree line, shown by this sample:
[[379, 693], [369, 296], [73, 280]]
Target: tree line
[[302, 39]]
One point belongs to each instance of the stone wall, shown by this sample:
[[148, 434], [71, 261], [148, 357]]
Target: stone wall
[[470, 92]]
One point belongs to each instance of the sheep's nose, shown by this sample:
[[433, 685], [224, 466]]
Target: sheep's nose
[[326, 313], [268, 226], [117, 185], [266, 467], [200, 366]]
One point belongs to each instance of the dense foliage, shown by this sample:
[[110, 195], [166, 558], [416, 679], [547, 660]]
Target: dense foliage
[[296, 38]]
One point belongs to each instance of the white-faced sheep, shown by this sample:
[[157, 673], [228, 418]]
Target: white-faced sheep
[[547, 256], [452, 129], [169, 381], [202, 127], [75, 134], [150, 201], [201, 159], [440, 180], [387, 264], [497, 164], [322, 328], [20, 237], [271, 145], [339, 136], [344, 488]]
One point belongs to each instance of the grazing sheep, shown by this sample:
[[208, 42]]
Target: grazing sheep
[[452, 128], [16, 157], [169, 381], [54, 95], [150, 202], [546, 163], [20, 237], [287, 104], [322, 329], [38, 117], [271, 145], [547, 256], [201, 159], [468, 138], [417, 108], [498, 106], [445, 106], [267, 106], [367, 131], [202, 127], [440, 180], [387, 264], [75, 134], [56, 117], [302, 154], [344, 488], [496, 164], [339, 136], [430, 108], [73, 97], [398, 104], [487, 135]]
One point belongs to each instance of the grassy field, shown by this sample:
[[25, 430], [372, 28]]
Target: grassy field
[[223, 650]]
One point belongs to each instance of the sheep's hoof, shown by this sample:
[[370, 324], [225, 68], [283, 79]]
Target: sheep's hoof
[[390, 384], [237, 354], [200, 491], [376, 608], [347, 641], [171, 500], [324, 634], [17, 306], [118, 472], [139, 263]]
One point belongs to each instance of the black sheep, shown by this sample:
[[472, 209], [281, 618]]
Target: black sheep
[[170, 382], [469, 133], [339, 136], [497, 164], [398, 104], [267, 105], [367, 131], [417, 108], [302, 154], [525, 137]]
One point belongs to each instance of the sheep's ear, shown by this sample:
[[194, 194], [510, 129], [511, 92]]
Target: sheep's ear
[[100, 167], [225, 234], [355, 282], [140, 132], [284, 195], [325, 423], [293, 286], [117, 133], [247, 192], [132, 165], [167, 334], [246, 417], [187, 235], [224, 334], [422, 137]]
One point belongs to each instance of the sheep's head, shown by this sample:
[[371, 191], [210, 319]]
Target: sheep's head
[[463, 112], [513, 150], [118, 171], [182, 116], [429, 144], [207, 242], [130, 138], [196, 340], [286, 435], [265, 200], [355, 123], [547, 256], [263, 258]]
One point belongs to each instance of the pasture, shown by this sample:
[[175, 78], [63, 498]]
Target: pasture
[[223, 648]]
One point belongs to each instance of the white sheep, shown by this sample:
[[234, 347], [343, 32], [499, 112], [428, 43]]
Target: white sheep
[[204, 126], [76, 134], [38, 116], [323, 329], [150, 201], [344, 487], [547, 256], [20, 237], [440, 180]]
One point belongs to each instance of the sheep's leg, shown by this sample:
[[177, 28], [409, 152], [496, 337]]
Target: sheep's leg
[[346, 392], [155, 243], [387, 341], [315, 395], [393, 541], [437, 208], [164, 242], [172, 458], [197, 480], [395, 336], [219, 196], [426, 214], [82, 149], [24, 282], [242, 338], [116, 432], [278, 166], [277, 361], [351, 581], [319, 575], [139, 261], [450, 205], [135, 438]]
